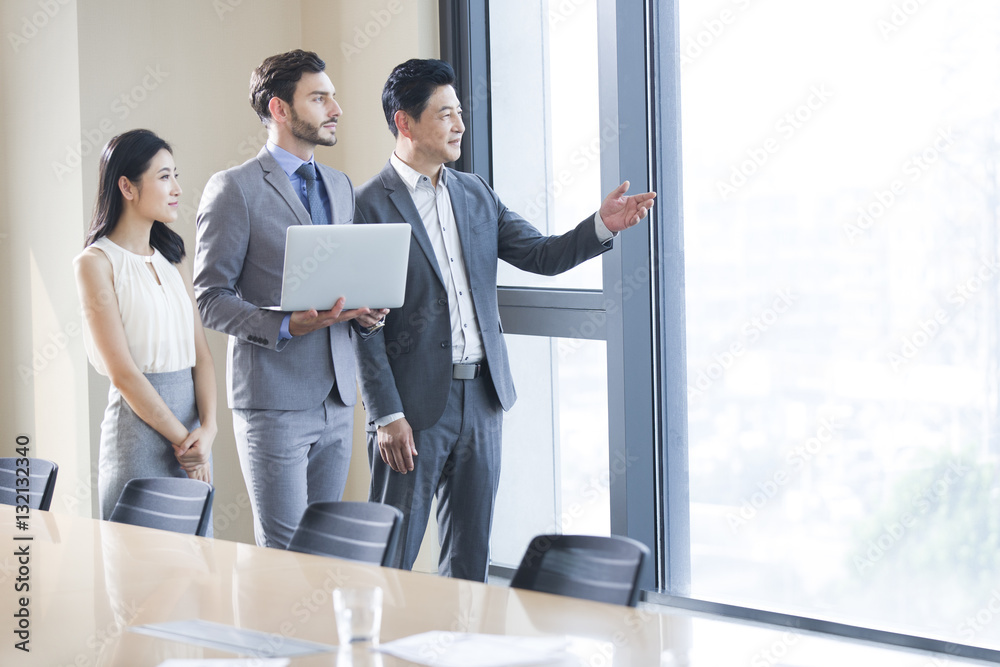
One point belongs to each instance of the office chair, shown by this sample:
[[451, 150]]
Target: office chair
[[41, 484], [178, 504], [603, 569], [365, 532]]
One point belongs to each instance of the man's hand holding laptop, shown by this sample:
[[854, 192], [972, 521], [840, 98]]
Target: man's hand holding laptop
[[306, 321]]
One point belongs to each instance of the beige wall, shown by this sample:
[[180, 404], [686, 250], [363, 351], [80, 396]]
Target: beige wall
[[44, 383], [77, 73]]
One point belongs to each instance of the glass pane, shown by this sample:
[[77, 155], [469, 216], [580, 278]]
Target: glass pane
[[546, 129], [841, 204], [554, 475]]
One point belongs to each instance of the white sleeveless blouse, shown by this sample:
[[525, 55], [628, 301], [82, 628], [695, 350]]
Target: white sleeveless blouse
[[158, 317]]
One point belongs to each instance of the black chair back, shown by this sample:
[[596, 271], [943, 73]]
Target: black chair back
[[365, 532], [41, 482], [602, 569], [177, 504]]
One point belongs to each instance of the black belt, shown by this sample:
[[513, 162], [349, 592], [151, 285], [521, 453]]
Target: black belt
[[467, 371]]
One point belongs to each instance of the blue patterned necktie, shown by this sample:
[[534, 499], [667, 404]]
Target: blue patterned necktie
[[308, 172]]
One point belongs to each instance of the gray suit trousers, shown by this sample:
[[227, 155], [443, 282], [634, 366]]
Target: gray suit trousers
[[458, 459], [290, 459]]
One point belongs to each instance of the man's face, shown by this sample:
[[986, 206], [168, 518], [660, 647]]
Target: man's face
[[314, 111], [437, 135]]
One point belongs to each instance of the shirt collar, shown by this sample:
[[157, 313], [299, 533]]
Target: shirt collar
[[411, 177], [288, 162]]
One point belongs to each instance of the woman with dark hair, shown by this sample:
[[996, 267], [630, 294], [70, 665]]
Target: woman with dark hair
[[142, 328]]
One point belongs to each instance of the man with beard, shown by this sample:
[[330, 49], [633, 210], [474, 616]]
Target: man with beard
[[290, 376]]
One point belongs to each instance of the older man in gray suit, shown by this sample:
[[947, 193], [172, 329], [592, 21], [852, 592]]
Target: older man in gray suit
[[436, 381], [290, 376]]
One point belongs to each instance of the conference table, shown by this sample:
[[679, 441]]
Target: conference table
[[84, 590]]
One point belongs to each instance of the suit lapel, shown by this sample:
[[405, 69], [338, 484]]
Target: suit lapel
[[464, 224], [460, 207], [400, 197], [278, 179]]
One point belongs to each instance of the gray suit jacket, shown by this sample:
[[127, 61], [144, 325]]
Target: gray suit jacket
[[407, 367], [239, 253]]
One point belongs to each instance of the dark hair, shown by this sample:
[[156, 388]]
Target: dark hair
[[411, 85], [277, 77], [129, 155]]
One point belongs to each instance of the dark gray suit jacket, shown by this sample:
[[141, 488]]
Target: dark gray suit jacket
[[407, 367], [239, 253]]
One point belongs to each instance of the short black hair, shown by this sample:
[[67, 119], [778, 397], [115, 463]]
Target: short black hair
[[411, 85], [277, 77]]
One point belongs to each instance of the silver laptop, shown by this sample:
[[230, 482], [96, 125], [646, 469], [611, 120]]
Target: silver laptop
[[365, 264]]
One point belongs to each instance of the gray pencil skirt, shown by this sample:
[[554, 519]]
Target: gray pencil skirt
[[130, 448]]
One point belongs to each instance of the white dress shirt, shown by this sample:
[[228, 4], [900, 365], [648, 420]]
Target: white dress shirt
[[434, 206]]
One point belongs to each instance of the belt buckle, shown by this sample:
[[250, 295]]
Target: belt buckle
[[465, 371]]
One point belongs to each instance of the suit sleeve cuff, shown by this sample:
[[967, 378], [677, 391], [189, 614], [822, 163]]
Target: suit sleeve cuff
[[603, 233]]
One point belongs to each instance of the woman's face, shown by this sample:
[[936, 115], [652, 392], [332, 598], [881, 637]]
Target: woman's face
[[158, 192]]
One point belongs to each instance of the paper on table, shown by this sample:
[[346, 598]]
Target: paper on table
[[225, 662], [232, 639], [460, 649]]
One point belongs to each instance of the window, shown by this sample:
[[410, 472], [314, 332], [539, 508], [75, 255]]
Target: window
[[555, 475], [840, 238], [546, 131], [803, 377]]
